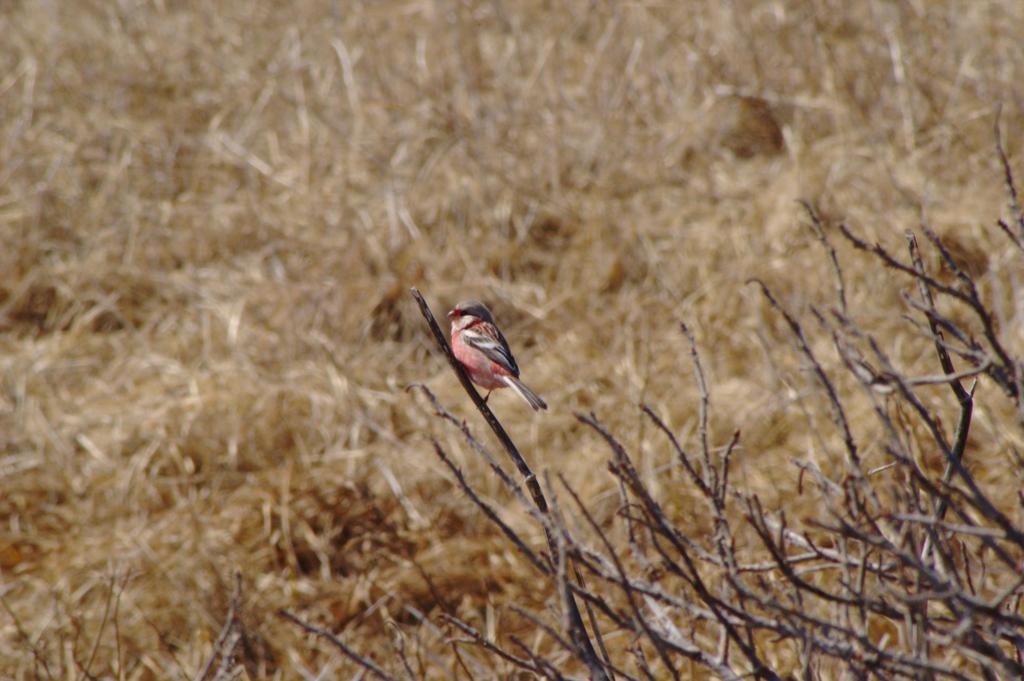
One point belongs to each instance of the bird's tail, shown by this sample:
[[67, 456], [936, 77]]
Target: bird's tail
[[533, 398]]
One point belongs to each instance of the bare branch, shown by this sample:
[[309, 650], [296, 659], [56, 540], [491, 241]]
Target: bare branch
[[1011, 187], [837, 271], [364, 662], [578, 631]]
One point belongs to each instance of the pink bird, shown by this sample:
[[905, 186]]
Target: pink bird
[[484, 353]]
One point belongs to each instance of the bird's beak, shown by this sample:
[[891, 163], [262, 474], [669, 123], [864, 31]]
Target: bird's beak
[[451, 314]]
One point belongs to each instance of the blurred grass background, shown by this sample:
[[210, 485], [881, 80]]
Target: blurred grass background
[[212, 212]]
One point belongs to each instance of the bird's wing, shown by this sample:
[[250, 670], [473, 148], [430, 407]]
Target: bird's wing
[[488, 340]]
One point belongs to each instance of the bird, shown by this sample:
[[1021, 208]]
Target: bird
[[483, 352]]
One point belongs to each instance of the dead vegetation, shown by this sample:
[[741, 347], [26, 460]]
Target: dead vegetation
[[211, 216]]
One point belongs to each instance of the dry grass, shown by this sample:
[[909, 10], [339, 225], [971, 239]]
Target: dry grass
[[211, 214]]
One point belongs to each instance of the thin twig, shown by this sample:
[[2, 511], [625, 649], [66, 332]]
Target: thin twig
[[819, 233], [366, 663], [481, 641], [231, 623], [491, 514], [1011, 187]]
